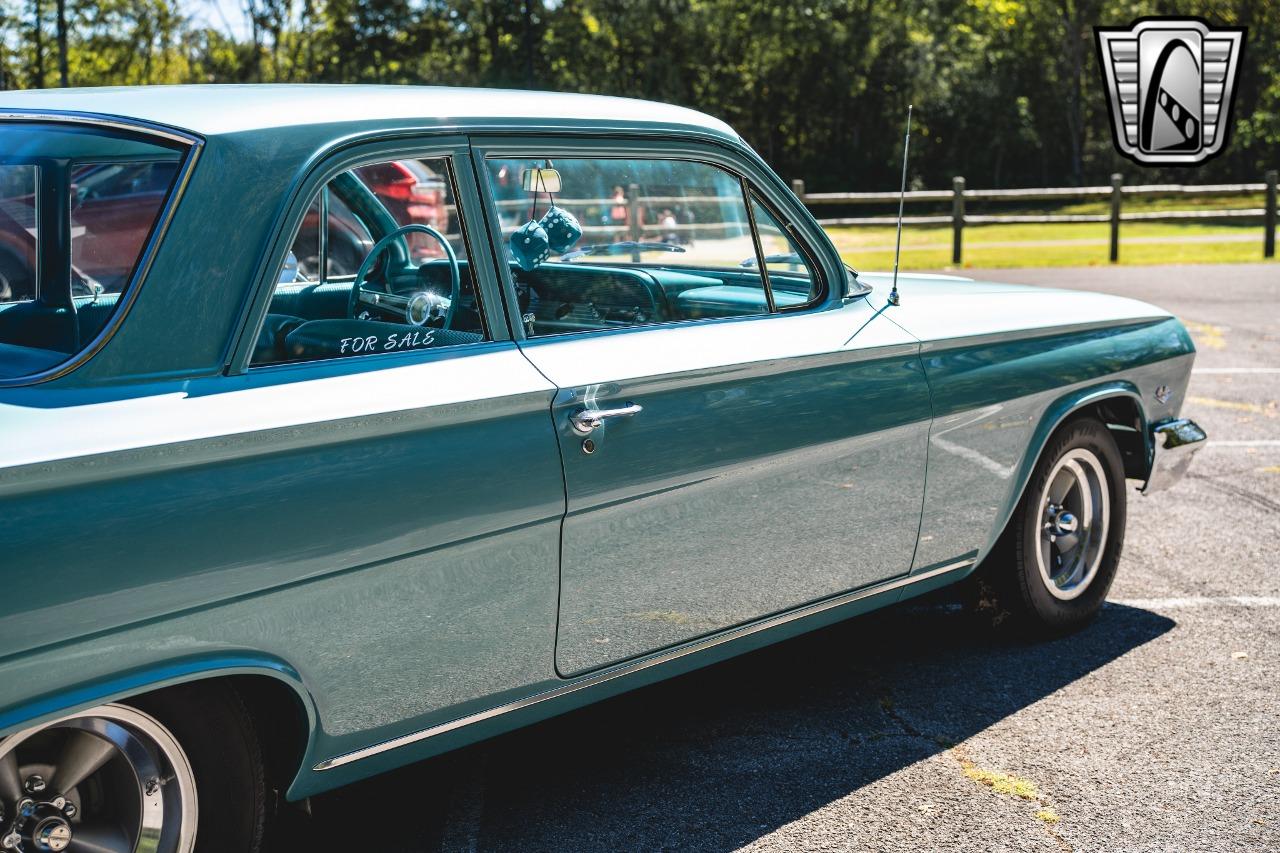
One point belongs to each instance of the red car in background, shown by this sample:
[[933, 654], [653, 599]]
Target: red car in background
[[113, 208], [17, 249], [413, 194]]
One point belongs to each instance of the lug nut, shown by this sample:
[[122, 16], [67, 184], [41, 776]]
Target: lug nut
[[70, 809], [58, 802], [34, 784], [11, 841]]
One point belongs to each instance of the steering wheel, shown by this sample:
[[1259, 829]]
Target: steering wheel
[[455, 276]]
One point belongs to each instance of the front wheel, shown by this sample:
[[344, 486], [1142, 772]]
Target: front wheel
[[1052, 568]]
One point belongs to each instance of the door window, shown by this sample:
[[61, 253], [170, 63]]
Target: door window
[[379, 264], [600, 243]]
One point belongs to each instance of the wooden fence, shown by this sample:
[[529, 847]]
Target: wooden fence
[[1116, 193]]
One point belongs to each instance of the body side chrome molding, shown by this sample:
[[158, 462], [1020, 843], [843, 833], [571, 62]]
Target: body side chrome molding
[[1008, 335], [644, 663]]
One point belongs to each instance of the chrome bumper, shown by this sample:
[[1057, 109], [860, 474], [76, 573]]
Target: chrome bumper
[[1173, 443]]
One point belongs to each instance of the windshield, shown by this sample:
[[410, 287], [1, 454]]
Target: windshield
[[77, 206]]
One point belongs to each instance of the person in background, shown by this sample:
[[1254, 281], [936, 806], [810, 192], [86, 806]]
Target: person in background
[[687, 218], [619, 211], [670, 227]]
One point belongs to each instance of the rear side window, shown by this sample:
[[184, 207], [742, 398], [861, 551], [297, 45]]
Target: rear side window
[[113, 207], [19, 230], [77, 208]]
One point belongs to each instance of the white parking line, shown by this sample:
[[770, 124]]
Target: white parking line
[[1199, 601], [1216, 370]]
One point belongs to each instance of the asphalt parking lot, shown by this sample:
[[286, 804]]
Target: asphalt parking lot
[[1154, 729]]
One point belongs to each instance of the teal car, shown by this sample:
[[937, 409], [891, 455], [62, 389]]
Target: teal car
[[308, 488]]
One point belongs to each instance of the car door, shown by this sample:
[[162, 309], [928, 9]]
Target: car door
[[734, 444]]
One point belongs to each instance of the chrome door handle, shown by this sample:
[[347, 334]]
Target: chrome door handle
[[586, 420]]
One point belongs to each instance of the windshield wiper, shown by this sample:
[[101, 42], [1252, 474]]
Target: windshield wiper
[[788, 258], [623, 248]]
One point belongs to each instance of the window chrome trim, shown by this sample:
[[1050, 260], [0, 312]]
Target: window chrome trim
[[101, 120], [817, 278], [129, 293], [748, 197], [322, 237], [638, 665]]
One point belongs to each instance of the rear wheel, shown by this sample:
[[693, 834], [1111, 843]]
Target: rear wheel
[[1052, 568], [174, 772]]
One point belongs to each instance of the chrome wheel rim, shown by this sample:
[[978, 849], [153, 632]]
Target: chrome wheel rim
[[1075, 513], [108, 780]]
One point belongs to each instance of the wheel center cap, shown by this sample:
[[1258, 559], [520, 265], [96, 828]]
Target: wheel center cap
[[1066, 523], [52, 833], [43, 825], [1061, 522]]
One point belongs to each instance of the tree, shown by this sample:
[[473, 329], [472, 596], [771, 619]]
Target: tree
[[62, 42], [1007, 92], [37, 37]]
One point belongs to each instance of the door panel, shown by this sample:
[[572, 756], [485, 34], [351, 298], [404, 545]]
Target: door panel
[[775, 461]]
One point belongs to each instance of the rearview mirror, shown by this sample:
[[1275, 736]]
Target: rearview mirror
[[541, 180]]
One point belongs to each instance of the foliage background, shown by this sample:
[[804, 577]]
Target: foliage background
[[1007, 92]]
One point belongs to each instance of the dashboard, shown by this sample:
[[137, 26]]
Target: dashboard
[[559, 298]]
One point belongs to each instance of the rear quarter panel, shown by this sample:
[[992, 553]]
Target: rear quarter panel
[[384, 542]]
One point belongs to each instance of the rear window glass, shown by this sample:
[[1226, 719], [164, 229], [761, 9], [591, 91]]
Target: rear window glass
[[77, 208]]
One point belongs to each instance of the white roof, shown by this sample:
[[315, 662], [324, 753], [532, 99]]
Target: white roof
[[222, 109]]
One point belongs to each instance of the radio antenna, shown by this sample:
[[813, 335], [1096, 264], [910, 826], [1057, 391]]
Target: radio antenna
[[902, 195]]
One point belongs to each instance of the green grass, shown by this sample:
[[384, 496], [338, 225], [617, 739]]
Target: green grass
[[1135, 204], [1059, 244]]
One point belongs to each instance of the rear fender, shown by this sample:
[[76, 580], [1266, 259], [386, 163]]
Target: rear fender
[[153, 677]]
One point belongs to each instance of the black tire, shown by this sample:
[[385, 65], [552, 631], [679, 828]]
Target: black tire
[[212, 724], [1010, 590]]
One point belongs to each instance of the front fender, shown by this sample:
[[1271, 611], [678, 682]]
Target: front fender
[[1054, 416]]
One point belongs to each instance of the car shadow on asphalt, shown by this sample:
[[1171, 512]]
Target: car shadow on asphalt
[[717, 758]]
